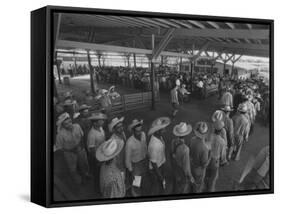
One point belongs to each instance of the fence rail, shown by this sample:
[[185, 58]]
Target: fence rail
[[135, 101]]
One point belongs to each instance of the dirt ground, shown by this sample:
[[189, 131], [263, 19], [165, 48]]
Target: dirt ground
[[192, 112]]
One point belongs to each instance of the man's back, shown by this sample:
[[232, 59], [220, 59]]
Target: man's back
[[198, 152], [240, 123]]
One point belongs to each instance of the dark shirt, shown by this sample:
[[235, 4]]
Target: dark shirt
[[199, 153]]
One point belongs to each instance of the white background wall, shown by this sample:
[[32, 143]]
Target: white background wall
[[15, 107]]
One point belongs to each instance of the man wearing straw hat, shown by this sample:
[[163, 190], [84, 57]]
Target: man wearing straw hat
[[70, 104], [136, 156], [228, 125], [241, 125], [199, 155], [111, 179], [251, 111], [96, 137], [160, 178], [84, 122], [68, 139], [216, 145], [116, 128], [104, 100], [220, 115], [175, 100], [181, 157], [227, 98]]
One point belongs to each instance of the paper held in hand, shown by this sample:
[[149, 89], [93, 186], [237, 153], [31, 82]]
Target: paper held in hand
[[137, 181]]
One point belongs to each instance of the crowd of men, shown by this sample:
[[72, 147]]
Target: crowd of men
[[95, 145]]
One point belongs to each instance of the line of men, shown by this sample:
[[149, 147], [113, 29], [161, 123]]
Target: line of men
[[138, 165]]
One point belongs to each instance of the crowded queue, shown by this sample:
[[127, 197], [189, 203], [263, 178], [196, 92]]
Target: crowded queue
[[96, 147]]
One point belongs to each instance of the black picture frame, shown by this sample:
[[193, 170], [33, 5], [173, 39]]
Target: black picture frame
[[42, 45]]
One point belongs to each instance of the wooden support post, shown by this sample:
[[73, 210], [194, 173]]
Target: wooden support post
[[152, 72], [75, 64], [91, 72], [180, 64], [191, 74], [135, 63], [58, 63]]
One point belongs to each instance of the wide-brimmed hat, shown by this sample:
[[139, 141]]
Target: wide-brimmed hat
[[111, 87], [135, 122], [64, 116], [182, 129], [242, 108], [249, 97], [258, 96], [201, 129], [68, 102], [227, 108], [158, 124], [218, 125], [97, 116], [83, 107], [114, 122], [68, 94], [218, 115], [109, 149]]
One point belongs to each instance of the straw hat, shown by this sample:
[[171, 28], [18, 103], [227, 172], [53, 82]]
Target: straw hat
[[217, 115], [182, 129], [62, 118], [114, 122], [84, 107], [227, 108], [201, 129], [218, 125], [135, 122], [68, 94], [111, 87], [97, 116], [68, 102], [242, 108], [158, 124], [109, 149]]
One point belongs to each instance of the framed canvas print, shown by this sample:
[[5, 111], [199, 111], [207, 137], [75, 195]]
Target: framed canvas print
[[141, 106]]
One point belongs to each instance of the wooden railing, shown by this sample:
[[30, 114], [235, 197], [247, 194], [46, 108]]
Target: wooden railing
[[135, 101]]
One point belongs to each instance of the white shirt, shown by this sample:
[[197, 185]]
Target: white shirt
[[156, 151], [136, 150], [200, 84], [95, 137]]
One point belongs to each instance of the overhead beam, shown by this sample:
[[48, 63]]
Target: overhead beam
[[125, 21], [231, 25], [148, 24], [196, 23], [224, 33], [66, 44], [249, 26], [163, 43], [182, 32], [202, 49], [214, 24], [154, 22], [168, 23], [236, 59], [182, 23], [228, 58]]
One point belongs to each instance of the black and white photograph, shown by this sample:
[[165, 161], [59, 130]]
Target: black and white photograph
[[155, 105]]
